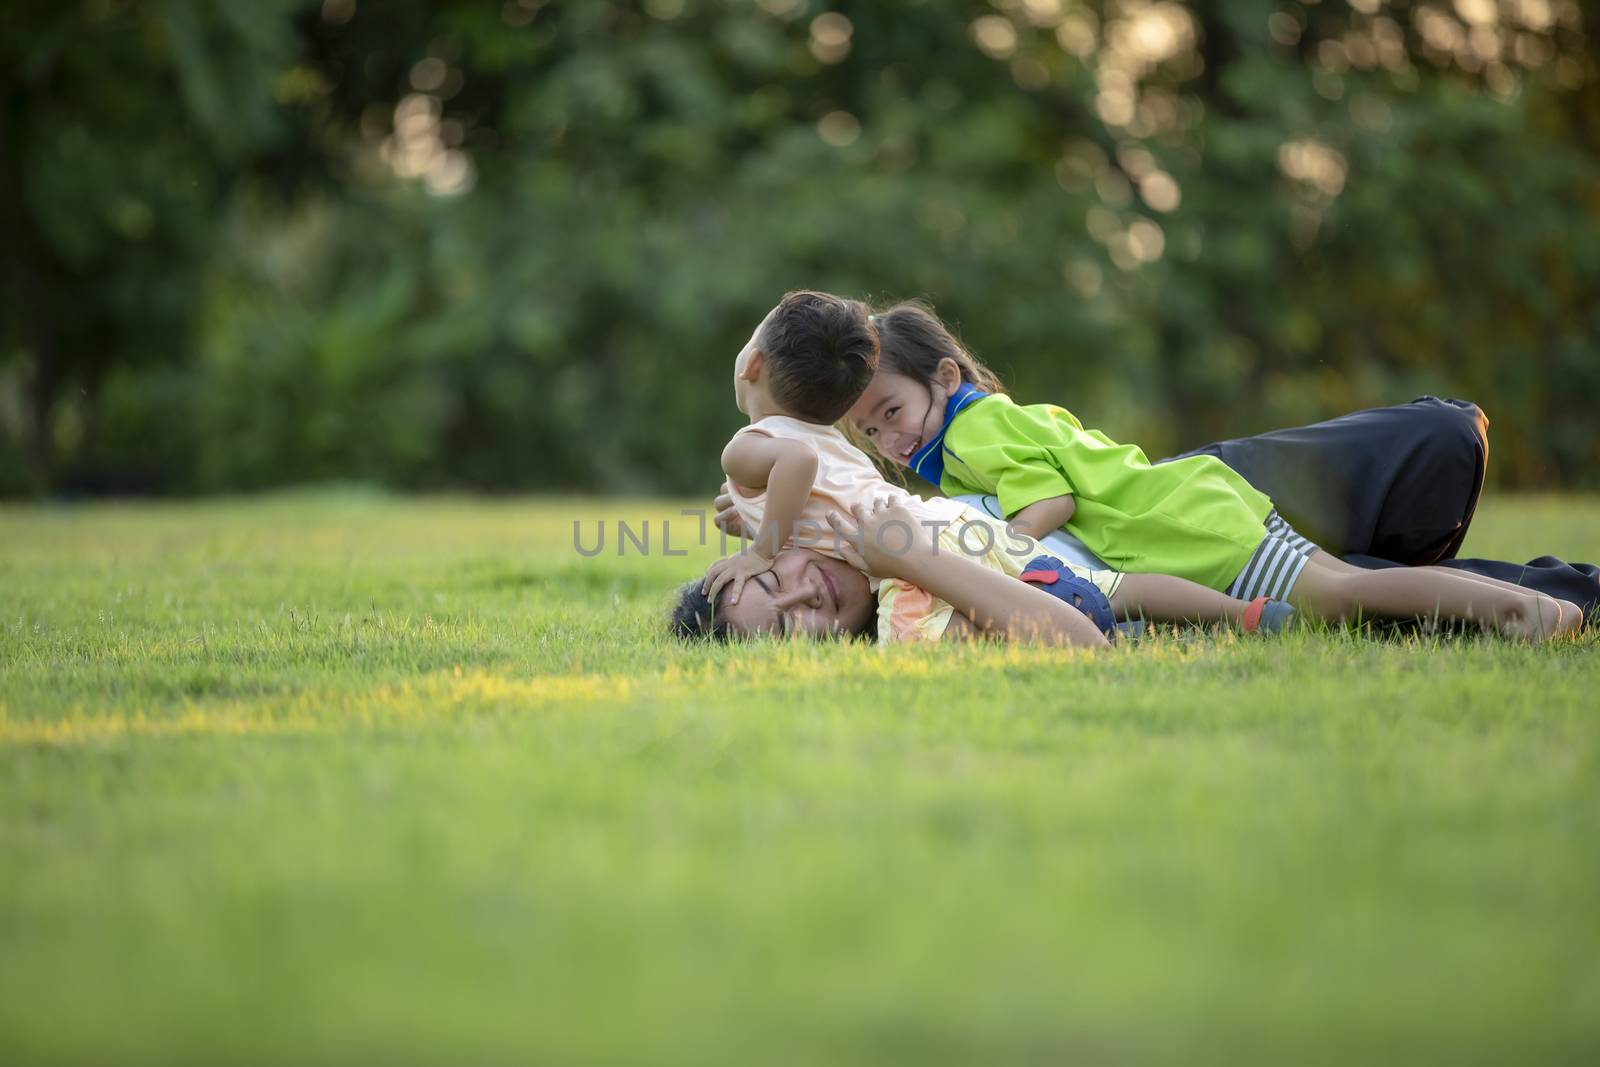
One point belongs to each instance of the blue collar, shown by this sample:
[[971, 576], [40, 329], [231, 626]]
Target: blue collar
[[928, 461]]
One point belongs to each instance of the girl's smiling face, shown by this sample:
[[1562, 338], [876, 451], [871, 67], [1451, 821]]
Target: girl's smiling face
[[898, 414]]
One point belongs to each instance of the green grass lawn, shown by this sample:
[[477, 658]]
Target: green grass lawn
[[338, 779]]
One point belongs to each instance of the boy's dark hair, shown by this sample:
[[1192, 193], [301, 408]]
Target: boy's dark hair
[[821, 351], [913, 340], [694, 616]]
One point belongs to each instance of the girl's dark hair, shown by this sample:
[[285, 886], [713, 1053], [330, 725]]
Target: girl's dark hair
[[912, 340], [694, 617], [821, 351]]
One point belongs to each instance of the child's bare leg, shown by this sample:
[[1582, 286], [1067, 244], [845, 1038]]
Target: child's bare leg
[[1563, 617], [1326, 560], [1163, 598], [1331, 588]]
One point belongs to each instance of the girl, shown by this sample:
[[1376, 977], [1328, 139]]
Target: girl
[[934, 408]]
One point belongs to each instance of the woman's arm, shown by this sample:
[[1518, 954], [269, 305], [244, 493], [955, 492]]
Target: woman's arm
[[890, 544], [996, 603], [959, 628]]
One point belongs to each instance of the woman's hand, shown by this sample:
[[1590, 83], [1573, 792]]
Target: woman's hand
[[727, 516], [847, 536], [879, 540]]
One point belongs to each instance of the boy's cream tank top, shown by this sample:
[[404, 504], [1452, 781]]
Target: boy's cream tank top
[[845, 478]]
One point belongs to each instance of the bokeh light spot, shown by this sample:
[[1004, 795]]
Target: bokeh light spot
[[338, 12], [830, 37], [839, 128], [995, 35], [428, 74], [1160, 190]]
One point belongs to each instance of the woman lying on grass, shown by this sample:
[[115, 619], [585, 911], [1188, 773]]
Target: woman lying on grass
[[793, 473], [930, 593], [809, 356]]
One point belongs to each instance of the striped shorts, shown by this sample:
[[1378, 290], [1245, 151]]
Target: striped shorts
[[1276, 564]]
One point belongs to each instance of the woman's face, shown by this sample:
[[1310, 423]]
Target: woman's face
[[805, 593], [898, 413]]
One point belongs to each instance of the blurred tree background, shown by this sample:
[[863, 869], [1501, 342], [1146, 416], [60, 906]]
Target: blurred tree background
[[516, 245]]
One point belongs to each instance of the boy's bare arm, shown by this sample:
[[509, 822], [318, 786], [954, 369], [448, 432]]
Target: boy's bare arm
[[1044, 516], [786, 470]]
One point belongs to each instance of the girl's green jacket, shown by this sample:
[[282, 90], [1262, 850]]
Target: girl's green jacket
[[1194, 518]]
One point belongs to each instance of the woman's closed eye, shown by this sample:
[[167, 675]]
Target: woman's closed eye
[[774, 590], [784, 621]]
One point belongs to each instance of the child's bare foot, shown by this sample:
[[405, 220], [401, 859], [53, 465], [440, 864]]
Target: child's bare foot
[[1571, 617], [1543, 617]]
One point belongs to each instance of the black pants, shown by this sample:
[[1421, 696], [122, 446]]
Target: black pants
[[1392, 487]]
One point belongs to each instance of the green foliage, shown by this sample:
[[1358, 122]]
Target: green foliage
[[516, 246], [342, 779]]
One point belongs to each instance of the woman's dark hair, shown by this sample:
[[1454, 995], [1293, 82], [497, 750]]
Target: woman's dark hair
[[695, 617], [912, 340], [821, 351]]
